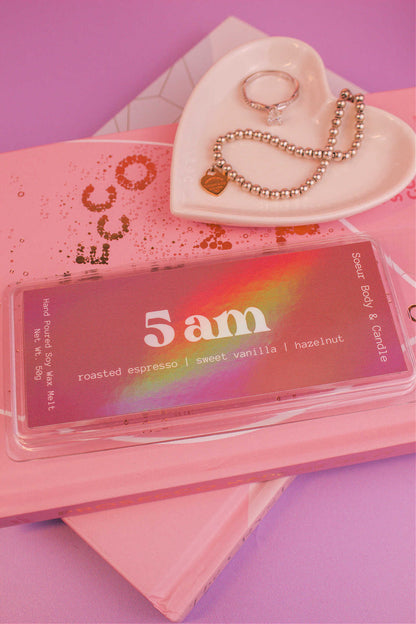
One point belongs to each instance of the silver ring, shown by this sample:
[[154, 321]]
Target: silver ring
[[273, 110]]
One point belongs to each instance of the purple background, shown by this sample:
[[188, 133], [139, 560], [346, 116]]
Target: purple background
[[339, 546]]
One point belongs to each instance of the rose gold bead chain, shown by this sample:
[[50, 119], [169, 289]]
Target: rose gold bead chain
[[221, 172]]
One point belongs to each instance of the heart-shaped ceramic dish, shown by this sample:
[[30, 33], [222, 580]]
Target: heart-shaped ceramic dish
[[383, 166]]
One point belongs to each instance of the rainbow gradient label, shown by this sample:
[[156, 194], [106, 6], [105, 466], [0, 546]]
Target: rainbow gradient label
[[175, 340]]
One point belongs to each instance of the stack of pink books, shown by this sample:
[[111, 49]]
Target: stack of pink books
[[173, 562]]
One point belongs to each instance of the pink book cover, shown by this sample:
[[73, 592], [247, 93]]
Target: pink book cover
[[172, 550], [70, 184]]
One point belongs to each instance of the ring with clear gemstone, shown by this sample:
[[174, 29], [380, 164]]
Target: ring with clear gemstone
[[274, 111]]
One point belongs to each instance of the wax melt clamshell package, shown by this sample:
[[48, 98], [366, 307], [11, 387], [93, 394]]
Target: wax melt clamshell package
[[144, 356]]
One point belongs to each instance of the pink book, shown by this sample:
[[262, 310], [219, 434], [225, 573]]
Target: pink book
[[67, 187], [172, 550], [84, 194]]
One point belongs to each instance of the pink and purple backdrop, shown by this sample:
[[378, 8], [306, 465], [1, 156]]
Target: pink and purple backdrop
[[339, 546]]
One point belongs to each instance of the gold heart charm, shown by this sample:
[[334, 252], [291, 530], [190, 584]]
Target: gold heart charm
[[214, 182]]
